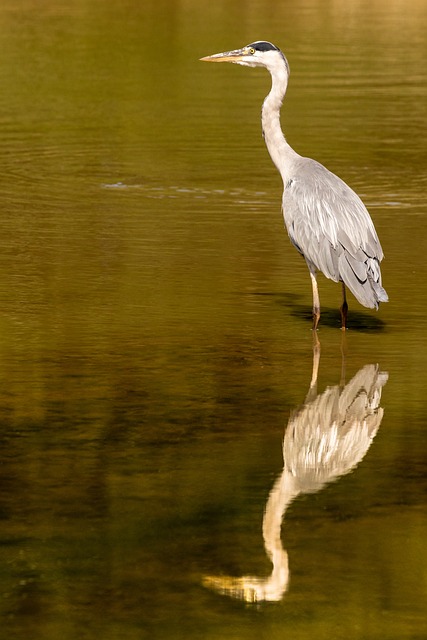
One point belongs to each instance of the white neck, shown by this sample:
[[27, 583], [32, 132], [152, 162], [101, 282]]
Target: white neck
[[280, 151]]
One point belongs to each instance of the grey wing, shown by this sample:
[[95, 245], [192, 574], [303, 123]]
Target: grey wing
[[329, 224]]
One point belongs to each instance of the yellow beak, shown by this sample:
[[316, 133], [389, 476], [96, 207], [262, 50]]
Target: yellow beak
[[227, 56]]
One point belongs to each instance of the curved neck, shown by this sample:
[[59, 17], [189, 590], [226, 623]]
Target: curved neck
[[280, 151], [284, 491]]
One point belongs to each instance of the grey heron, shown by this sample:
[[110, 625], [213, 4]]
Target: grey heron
[[326, 220]]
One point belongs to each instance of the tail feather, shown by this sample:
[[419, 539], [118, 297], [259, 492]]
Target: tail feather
[[380, 292], [363, 279]]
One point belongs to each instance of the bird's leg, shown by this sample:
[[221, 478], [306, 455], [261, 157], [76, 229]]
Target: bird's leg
[[316, 299], [344, 308]]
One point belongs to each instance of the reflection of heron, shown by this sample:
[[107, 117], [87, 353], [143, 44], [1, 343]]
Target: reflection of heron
[[325, 438], [326, 221]]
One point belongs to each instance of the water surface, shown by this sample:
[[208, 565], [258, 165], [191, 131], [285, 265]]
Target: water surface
[[155, 337]]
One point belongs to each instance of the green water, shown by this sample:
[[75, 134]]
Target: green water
[[155, 333]]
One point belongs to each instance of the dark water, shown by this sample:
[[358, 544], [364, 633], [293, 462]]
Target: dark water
[[155, 342]]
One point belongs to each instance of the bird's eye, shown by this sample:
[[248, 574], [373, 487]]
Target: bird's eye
[[251, 51]]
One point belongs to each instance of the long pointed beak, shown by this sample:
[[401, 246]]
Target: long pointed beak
[[226, 56]]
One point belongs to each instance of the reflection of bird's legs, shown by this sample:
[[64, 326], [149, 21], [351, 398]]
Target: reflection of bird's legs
[[312, 392], [316, 299], [343, 359], [316, 361], [344, 308]]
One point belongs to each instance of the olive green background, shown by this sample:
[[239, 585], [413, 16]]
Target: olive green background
[[155, 320]]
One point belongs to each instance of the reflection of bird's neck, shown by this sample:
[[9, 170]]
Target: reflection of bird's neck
[[272, 588], [280, 151], [283, 492]]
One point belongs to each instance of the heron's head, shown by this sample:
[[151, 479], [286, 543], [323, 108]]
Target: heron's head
[[258, 54]]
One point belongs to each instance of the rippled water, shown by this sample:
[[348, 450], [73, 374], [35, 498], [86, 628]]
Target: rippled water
[[157, 365]]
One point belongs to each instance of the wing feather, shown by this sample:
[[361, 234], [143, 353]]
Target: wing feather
[[329, 224]]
